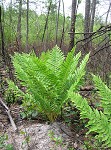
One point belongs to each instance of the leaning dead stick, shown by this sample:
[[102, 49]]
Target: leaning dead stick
[[9, 115]]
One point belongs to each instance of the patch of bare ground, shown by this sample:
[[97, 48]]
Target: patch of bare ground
[[39, 137], [34, 135]]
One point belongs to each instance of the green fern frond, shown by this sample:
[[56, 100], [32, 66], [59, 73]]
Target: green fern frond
[[98, 121], [105, 94], [32, 68], [66, 67], [27, 99], [79, 74], [55, 60], [81, 104], [66, 76], [44, 56], [36, 80], [15, 88]]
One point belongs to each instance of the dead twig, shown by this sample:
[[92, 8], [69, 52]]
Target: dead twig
[[9, 115]]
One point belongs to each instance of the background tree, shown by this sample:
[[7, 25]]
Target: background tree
[[73, 20], [57, 20], [63, 28], [46, 23], [2, 46], [4, 53], [87, 24], [108, 11], [19, 26], [10, 16], [27, 27], [93, 10]]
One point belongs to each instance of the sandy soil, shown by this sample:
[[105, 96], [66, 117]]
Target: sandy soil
[[40, 137]]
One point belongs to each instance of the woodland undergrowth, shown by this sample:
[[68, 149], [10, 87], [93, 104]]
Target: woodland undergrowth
[[53, 80]]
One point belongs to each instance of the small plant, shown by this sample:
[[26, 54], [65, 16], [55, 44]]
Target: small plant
[[99, 121], [57, 140], [47, 79], [71, 115], [26, 138], [92, 144], [3, 139], [10, 97], [71, 149]]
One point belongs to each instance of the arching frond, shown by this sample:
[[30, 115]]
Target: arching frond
[[105, 94], [99, 122]]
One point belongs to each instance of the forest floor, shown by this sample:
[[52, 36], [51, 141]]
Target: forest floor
[[37, 135]]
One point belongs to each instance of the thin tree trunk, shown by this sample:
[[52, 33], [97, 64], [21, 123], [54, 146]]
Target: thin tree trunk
[[10, 8], [108, 13], [19, 26], [57, 20], [10, 16], [2, 52], [5, 56], [62, 37], [107, 54], [73, 20], [46, 23], [87, 25], [92, 16], [87, 17], [2, 37], [27, 27], [93, 10]]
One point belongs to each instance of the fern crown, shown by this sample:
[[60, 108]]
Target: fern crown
[[48, 78]]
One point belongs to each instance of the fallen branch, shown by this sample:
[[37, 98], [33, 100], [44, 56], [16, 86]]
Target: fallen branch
[[9, 115], [87, 88]]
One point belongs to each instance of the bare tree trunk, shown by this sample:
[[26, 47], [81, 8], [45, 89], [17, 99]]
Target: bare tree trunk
[[10, 8], [107, 43], [73, 20], [27, 27], [108, 13], [46, 26], [5, 56], [10, 16], [2, 51], [46, 23], [92, 16], [62, 37], [93, 10], [87, 17], [57, 20], [87, 24], [19, 26]]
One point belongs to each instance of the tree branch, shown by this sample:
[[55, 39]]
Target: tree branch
[[9, 115]]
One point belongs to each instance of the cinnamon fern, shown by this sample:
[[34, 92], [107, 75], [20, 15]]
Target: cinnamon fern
[[48, 78]]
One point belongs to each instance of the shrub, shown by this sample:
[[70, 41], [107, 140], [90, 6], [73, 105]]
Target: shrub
[[47, 79]]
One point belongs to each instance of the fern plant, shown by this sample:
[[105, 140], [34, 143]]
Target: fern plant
[[99, 121], [47, 79]]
